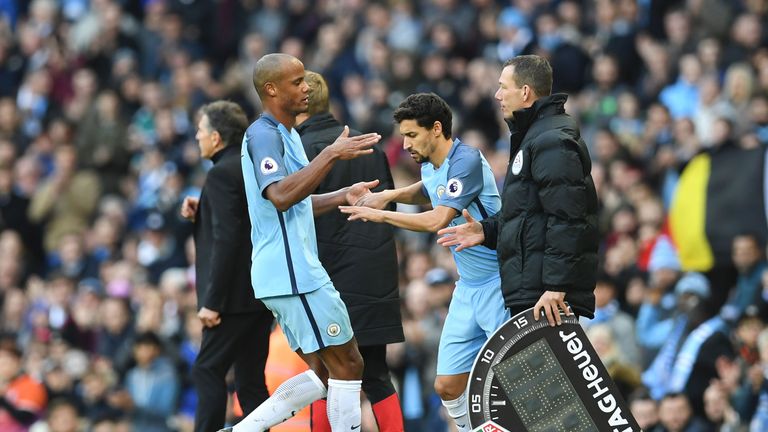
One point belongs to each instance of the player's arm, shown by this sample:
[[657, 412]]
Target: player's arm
[[412, 194], [323, 203], [428, 221], [295, 187]]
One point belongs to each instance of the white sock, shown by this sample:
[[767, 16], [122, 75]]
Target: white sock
[[457, 409], [344, 405], [288, 399]]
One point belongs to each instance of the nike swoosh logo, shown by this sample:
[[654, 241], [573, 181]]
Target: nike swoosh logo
[[355, 427]]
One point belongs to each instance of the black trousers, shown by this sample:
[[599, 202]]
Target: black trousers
[[241, 340], [377, 384]]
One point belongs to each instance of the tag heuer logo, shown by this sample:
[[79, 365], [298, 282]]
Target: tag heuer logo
[[490, 426], [333, 330]]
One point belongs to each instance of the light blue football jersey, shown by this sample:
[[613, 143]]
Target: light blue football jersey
[[465, 181], [284, 260]]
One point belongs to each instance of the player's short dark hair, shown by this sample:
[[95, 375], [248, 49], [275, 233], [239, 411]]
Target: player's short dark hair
[[533, 71], [426, 109], [228, 119]]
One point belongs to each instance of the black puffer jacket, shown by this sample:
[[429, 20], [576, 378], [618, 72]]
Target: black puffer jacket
[[546, 233]]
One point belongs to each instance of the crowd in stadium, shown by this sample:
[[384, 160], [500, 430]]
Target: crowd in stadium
[[98, 104]]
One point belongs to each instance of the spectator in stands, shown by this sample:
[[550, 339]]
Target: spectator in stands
[[22, 398]]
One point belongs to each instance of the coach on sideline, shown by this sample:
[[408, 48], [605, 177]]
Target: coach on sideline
[[236, 325]]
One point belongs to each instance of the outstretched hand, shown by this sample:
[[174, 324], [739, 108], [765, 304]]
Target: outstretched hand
[[346, 147], [359, 191], [365, 214], [376, 200], [462, 236]]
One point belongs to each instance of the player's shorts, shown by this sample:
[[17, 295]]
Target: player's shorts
[[475, 313], [314, 320]]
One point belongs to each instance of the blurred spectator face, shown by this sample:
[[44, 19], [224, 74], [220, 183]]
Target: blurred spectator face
[[152, 96], [9, 116], [646, 413], [636, 289], [14, 309], [739, 83], [605, 71], [145, 354], [114, 315], [84, 83], [108, 106], [715, 403], [749, 329], [624, 221], [606, 145], [629, 108], [71, 248], [63, 418], [57, 380], [708, 51], [721, 131], [105, 425], [10, 366], [417, 265], [6, 179], [747, 30], [709, 90], [677, 26], [292, 46], [745, 253], [690, 68], [329, 38], [674, 412], [759, 111], [605, 292], [417, 299], [10, 273]]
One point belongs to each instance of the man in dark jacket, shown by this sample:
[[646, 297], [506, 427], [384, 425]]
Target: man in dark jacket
[[546, 233], [236, 325], [360, 259]]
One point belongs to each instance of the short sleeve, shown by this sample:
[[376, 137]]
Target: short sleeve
[[465, 181], [265, 147]]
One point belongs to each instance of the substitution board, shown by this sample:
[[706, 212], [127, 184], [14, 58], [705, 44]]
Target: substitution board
[[531, 377]]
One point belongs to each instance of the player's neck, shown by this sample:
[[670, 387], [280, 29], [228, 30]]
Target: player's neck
[[286, 119], [441, 152]]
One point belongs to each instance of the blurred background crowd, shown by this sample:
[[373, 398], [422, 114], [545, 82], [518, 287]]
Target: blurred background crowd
[[98, 100]]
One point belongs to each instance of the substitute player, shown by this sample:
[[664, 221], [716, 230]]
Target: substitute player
[[454, 176]]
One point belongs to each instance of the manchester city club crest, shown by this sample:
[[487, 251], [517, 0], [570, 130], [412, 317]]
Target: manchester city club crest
[[333, 329], [440, 191]]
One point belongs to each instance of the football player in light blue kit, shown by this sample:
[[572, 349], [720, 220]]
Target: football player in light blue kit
[[454, 176], [286, 273]]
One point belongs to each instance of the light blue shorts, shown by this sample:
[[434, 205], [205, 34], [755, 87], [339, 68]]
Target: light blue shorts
[[314, 320], [475, 313]]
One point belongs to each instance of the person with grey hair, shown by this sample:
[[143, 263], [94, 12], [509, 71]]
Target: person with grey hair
[[236, 326]]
